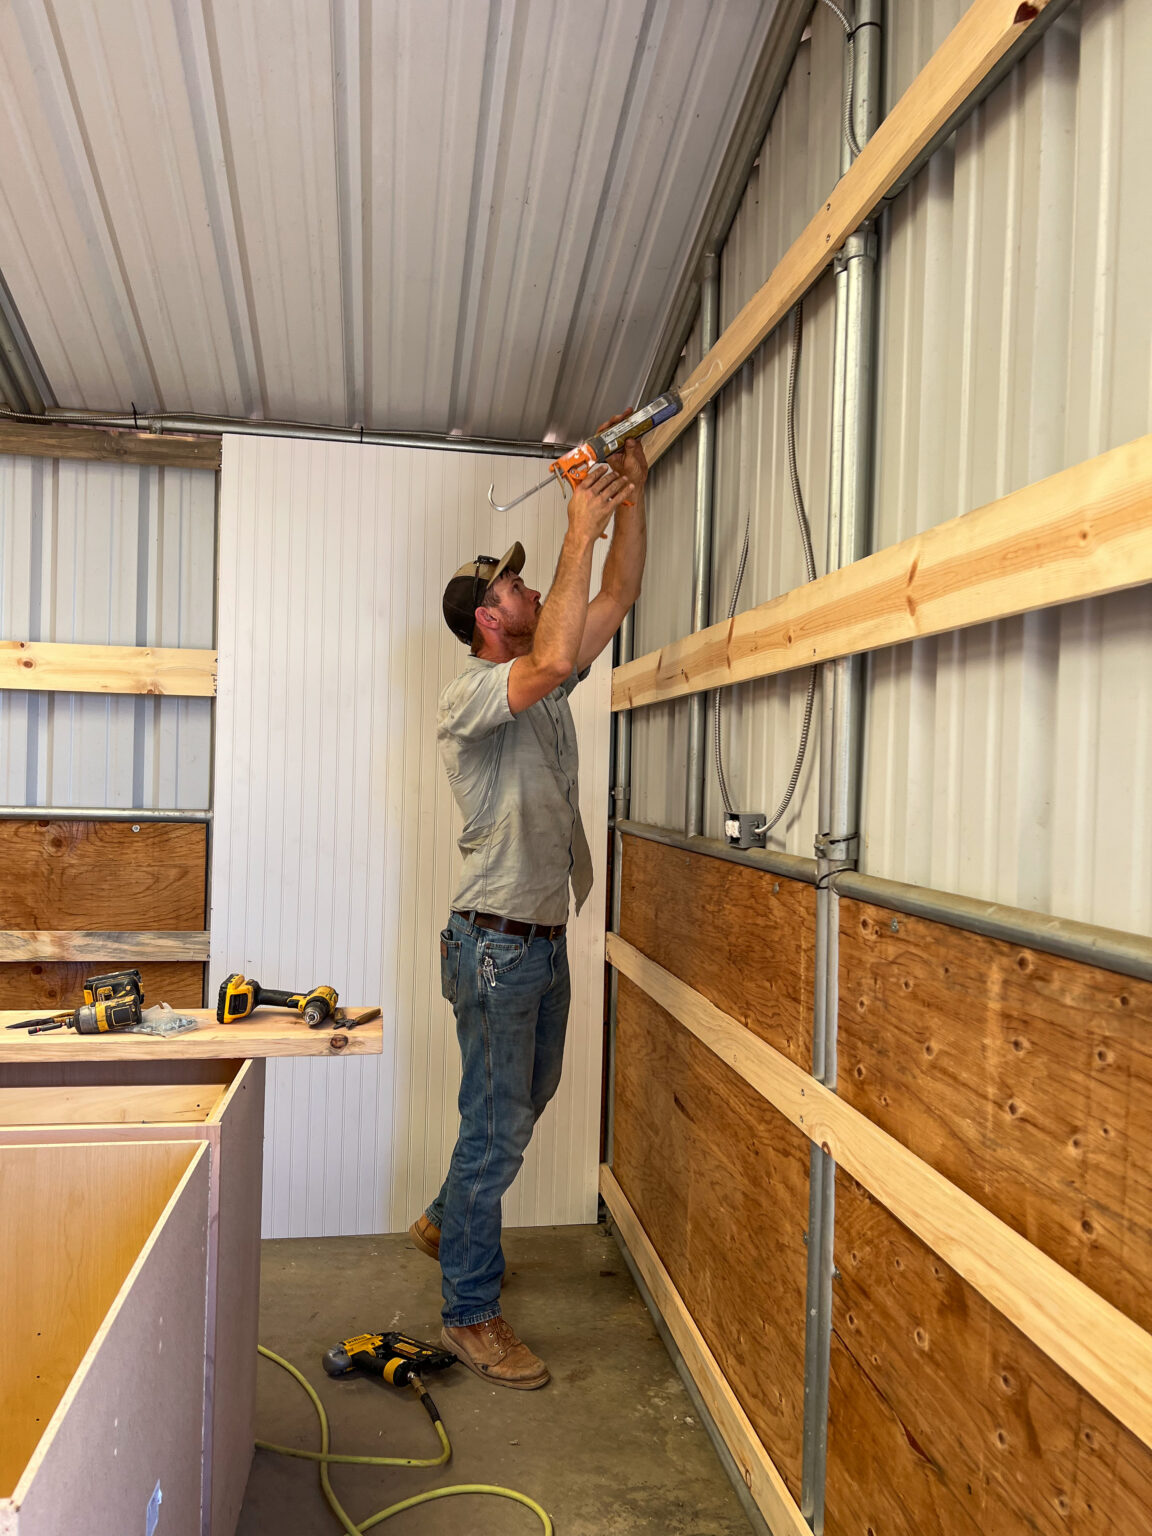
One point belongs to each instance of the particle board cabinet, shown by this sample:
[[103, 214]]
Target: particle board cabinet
[[225, 1114], [104, 1271]]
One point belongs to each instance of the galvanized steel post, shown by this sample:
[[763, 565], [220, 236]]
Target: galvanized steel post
[[621, 796], [849, 528], [702, 551]]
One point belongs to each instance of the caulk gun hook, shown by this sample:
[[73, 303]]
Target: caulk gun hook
[[508, 507]]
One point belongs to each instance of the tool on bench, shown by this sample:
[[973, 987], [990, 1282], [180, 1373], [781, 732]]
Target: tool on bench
[[111, 1002], [240, 995], [575, 464], [394, 1356]]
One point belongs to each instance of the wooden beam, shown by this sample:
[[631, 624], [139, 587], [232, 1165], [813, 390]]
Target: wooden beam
[[125, 1104], [270, 1032], [68, 944], [43, 667], [756, 1467], [1108, 1354], [979, 40], [109, 445], [1080, 533]]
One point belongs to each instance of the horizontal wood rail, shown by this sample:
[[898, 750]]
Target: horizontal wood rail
[[1108, 1354], [986, 31], [1080, 533], [40, 666], [130, 948], [757, 1468], [108, 445]]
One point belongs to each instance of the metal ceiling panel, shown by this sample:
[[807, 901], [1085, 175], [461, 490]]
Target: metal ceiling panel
[[461, 217]]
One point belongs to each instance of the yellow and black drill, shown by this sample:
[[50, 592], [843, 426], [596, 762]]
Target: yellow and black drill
[[240, 995], [111, 1002]]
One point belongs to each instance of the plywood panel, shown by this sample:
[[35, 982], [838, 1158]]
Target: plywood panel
[[93, 1105], [740, 936], [1026, 1079], [60, 984], [65, 1258], [127, 1421], [945, 1419], [719, 1181], [102, 875]]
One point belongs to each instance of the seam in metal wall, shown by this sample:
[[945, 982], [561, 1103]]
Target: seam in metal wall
[[334, 854], [105, 554]]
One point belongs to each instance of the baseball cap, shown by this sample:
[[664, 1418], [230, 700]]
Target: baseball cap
[[466, 589]]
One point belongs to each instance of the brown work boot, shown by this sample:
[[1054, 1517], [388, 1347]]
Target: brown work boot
[[493, 1351], [426, 1235]]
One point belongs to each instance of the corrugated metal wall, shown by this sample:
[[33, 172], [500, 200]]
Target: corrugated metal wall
[[335, 832], [760, 722], [1011, 762], [106, 554]]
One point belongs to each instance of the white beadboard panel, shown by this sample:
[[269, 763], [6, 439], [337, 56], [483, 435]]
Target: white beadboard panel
[[334, 849], [462, 215], [1013, 762], [106, 554], [760, 722]]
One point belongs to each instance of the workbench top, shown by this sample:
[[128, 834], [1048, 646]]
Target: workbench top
[[269, 1032]]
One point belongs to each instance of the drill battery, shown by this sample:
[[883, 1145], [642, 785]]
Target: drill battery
[[393, 1356]]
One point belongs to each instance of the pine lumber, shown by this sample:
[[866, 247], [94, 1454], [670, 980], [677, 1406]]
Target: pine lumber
[[109, 445], [1081, 533], [967, 55], [763, 1480], [270, 1032], [1108, 1354], [128, 948], [45, 667]]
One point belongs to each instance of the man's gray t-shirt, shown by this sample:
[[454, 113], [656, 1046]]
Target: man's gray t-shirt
[[515, 780]]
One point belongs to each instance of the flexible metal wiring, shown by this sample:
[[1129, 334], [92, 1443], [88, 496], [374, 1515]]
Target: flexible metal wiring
[[810, 568], [849, 93]]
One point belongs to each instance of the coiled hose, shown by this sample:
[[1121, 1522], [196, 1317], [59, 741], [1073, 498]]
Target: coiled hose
[[326, 1458]]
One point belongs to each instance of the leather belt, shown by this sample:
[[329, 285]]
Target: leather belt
[[513, 925]]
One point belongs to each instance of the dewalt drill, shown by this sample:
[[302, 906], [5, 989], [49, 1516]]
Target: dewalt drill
[[239, 996], [394, 1356], [110, 1002]]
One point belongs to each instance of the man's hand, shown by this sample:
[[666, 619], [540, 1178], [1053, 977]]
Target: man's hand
[[631, 461], [596, 498]]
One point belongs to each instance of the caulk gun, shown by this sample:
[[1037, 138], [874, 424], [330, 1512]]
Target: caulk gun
[[575, 464]]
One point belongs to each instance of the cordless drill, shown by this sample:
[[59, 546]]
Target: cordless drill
[[93, 1018], [240, 995]]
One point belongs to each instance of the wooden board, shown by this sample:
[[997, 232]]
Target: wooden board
[[271, 1032], [720, 1183], [983, 35], [760, 1474], [126, 1105], [120, 1427], [119, 949], [1024, 1078], [41, 667], [742, 937], [1099, 1346], [945, 1419], [60, 984], [65, 1256], [55, 440], [1080, 533], [103, 875]]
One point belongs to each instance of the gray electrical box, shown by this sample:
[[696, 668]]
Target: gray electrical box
[[740, 829]]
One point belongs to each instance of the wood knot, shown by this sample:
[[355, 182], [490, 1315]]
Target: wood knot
[[1024, 14], [26, 661], [337, 1042]]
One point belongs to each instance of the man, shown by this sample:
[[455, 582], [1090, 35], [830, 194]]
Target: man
[[507, 739]]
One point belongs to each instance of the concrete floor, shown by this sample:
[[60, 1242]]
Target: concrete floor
[[611, 1447]]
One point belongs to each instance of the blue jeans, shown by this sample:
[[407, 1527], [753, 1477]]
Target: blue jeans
[[510, 996]]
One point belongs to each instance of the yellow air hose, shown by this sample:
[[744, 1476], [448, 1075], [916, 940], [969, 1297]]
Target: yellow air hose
[[326, 1458]]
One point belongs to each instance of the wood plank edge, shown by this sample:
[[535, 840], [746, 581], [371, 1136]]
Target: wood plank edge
[[52, 439], [52, 945], [760, 1473], [928, 101], [48, 666], [1100, 1347]]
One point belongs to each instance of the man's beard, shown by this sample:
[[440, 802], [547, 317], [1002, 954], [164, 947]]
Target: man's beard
[[519, 629]]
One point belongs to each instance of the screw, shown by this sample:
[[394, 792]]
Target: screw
[[835, 1272], [776, 888], [805, 1239], [895, 926], [135, 826]]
